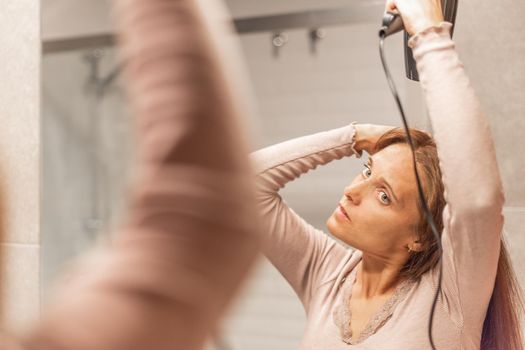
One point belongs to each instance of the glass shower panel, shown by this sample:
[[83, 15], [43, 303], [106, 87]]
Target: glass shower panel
[[86, 152]]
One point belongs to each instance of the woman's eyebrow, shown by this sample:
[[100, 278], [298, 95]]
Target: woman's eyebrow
[[383, 180]]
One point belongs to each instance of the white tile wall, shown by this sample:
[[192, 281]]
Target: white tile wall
[[21, 284], [66, 18], [19, 113], [20, 159]]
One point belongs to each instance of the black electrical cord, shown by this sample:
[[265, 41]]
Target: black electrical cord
[[422, 199]]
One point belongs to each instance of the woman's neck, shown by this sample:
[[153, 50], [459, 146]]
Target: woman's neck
[[375, 278]]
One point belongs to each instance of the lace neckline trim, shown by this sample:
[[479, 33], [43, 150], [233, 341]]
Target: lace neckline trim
[[342, 315]]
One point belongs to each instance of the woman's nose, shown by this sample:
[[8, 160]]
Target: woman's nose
[[353, 193]]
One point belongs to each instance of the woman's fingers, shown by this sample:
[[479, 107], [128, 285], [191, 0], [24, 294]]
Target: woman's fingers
[[368, 134], [391, 6], [417, 14]]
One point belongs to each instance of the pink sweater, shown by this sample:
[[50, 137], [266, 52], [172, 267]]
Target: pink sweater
[[322, 271]]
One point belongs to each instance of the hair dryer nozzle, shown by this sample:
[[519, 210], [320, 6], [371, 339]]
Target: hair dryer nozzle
[[392, 23]]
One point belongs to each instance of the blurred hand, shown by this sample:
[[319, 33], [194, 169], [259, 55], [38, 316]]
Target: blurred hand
[[417, 15], [367, 136]]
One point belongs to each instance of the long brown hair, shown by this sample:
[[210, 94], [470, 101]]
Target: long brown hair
[[501, 329], [2, 252]]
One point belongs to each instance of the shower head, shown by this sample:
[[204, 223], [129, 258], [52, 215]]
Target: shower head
[[393, 23]]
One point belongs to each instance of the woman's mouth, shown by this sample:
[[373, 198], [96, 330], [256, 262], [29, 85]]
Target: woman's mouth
[[342, 213]]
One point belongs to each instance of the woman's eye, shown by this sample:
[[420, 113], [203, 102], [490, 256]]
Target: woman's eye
[[366, 171], [384, 197]]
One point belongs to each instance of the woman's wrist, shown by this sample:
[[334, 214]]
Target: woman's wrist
[[361, 141], [430, 34], [425, 26]]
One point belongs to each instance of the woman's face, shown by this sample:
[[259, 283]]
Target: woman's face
[[378, 211]]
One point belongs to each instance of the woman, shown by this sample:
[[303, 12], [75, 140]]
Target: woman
[[379, 295], [189, 238]]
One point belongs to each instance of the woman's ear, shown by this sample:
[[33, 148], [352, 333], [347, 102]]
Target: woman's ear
[[415, 246]]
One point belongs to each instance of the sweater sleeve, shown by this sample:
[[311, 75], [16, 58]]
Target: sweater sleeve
[[189, 238], [305, 256], [474, 196]]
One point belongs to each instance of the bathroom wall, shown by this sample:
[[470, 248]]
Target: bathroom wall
[[19, 159], [71, 18], [298, 93]]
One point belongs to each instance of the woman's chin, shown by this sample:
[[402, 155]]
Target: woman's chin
[[337, 228], [332, 225]]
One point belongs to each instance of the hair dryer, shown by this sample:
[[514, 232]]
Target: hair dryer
[[392, 23]]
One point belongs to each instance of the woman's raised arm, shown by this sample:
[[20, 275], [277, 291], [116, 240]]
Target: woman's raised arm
[[190, 236], [304, 255], [473, 191]]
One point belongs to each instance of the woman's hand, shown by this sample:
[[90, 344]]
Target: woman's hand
[[367, 135], [417, 15]]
